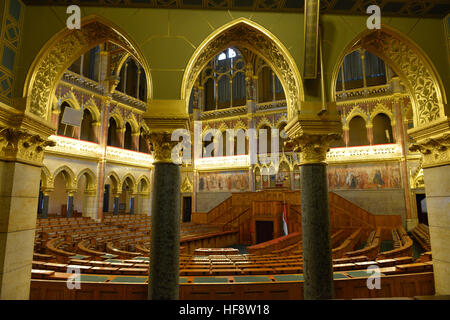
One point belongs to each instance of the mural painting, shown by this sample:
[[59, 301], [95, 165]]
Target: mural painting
[[364, 176], [228, 181]]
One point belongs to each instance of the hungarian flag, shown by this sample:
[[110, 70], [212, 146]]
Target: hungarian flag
[[285, 227]]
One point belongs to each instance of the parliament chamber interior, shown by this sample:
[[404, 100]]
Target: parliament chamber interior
[[313, 160]]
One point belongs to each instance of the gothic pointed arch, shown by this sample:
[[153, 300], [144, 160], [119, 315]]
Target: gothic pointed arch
[[69, 175], [61, 51], [90, 176], [245, 33], [412, 65]]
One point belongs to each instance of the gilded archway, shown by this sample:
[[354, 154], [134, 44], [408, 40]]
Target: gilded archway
[[61, 51], [411, 64], [248, 34]]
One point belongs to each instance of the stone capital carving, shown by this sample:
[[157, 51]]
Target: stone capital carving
[[22, 146], [435, 151], [163, 145], [312, 148], [311, 132]]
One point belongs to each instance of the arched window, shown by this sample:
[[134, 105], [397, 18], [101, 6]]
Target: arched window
[[88, 64], [133, 80], [358, 132], [265, 85], [64, 129], [112, 133], [224, 82], [128, 140], [375, 69], [361, 68], [87, 128], [382, 129], [353, 73]]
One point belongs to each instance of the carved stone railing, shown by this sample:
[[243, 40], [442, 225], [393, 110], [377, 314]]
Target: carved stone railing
[[271, 105], [377, 152], [220, 113], [361, 93], [222, 162], [129, 100], [73, 147], [82, 82]]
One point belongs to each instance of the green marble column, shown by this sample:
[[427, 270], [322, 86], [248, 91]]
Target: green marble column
[[165, 235], [317, 259]]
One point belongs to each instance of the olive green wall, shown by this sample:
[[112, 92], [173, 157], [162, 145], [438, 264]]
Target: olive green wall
[[168, 38]]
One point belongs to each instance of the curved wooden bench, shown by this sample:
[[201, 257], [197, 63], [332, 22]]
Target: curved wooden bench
[[61, 255], [371, 251], [83, 247], [275, 244], [347, 245], [122, 254], [404, 250]]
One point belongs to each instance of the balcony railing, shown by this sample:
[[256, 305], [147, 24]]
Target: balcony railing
[[79, 148]]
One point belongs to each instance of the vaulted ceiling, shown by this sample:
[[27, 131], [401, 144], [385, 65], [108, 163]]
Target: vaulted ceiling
[[403, 8]]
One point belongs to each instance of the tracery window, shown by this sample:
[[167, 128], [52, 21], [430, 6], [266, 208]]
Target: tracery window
[[224, 81]]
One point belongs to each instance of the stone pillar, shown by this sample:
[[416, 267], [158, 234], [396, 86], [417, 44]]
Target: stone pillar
[[21, 155], [143, 203], [135, 141], [116, 204], [69, 211], [89, 204], [120, 137], [46, 193], [401, 139], [97, 130], [434, 143], [165, 235], [310, 133], [132, 197], [369, 128], [346, 132], [317, 259]]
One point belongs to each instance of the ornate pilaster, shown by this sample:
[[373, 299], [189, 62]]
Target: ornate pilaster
[[435, 150], [433, 141]]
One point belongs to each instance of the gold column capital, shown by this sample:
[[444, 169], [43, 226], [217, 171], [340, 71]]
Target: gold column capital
[[23, 146], [312, 130], [162, 146], [163, 118], [433, 142]]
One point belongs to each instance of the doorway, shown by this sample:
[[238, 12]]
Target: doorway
[[422, 211], [187, 209], [264, 231]]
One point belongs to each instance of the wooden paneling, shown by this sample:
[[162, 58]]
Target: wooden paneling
[[408, 285]]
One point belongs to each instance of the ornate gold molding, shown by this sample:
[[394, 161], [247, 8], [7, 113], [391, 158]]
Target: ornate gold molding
[[416, 71], [311, 132], [247, 34], [435, 151], [58, 54], [22, 146], [186, 186], [162, 146]]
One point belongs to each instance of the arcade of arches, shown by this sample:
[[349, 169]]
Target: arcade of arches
[[86, 118]]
